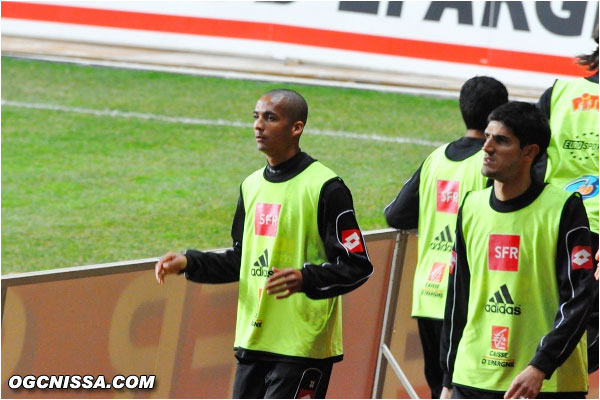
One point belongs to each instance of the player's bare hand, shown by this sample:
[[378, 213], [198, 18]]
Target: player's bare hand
[[597, 273], [446, 393], [526, 385], [284, 282], [170, 263]]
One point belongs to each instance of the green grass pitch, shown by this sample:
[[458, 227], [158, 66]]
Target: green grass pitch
[[80, 188]]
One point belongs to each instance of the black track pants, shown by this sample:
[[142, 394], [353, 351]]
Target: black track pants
[[280, 380]]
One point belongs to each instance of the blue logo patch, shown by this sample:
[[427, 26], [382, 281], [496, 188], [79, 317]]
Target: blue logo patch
[[587, 186]]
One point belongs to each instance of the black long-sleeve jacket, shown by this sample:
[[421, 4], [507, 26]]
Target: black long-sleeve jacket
[[574, 286], [344, 270]]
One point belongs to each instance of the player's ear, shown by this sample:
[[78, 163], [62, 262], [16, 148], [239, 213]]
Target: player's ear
[[531, 150], [297, 129]]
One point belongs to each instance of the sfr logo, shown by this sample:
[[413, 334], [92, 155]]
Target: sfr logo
[[266, 219], [447, 196], [503, 252]]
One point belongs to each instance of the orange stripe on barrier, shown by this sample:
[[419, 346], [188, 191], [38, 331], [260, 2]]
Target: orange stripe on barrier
[[295, 35]]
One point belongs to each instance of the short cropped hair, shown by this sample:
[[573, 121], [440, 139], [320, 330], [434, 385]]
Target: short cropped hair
[[295, 106], [527, 123], [479, 96]]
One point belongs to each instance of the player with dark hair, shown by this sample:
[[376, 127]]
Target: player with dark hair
[[519, 292], [572, 162], [478, 97], [295, 105], [590, 61], [296, 248], [429, 201]]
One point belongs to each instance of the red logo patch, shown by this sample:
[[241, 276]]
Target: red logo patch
[[447, 196], [499, 337], [503, 252], [581, 257], [452, 262], [437, 272], [351, 240], [266, 219]]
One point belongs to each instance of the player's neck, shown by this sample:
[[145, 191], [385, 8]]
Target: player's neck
[[505, 191], [278, 159], [474, 133]]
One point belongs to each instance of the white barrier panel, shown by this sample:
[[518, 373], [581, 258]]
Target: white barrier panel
[[522, 43], [114, 321]]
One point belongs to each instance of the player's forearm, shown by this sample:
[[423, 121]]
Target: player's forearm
[[569, 326], [403, 212], [209, 267], [330, 280]]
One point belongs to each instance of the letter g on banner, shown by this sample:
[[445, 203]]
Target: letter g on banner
[[14, 326], [129, 358]]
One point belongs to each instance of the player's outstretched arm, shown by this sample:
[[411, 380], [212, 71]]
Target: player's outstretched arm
[[170, 263]]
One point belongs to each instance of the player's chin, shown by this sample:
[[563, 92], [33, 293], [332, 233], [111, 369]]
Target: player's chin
[[488, 172], [261, 147]]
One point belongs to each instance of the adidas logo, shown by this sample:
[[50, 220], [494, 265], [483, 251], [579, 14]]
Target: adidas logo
[[261, 266], [502, 302], [443, 241]]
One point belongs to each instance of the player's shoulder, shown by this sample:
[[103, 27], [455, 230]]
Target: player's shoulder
[[256, 175]]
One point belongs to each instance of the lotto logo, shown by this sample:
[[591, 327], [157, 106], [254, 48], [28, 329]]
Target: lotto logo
[[499, 338], [452, 262], [447, 196], [437, 272], [266, 219], [581, 257], [351, 240], [503, 252]]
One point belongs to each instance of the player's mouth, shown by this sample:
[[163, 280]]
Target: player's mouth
[[487, 160]]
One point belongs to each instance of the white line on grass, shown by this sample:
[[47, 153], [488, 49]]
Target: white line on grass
[[212, 122]]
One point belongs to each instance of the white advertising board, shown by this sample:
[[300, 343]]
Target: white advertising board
[[522, 42]]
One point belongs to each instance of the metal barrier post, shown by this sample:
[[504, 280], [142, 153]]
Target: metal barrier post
[[385, 356]]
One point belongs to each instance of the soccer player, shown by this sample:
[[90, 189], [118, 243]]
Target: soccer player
[[572, 163], [429, 201], [520, 288], [296, 248]]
